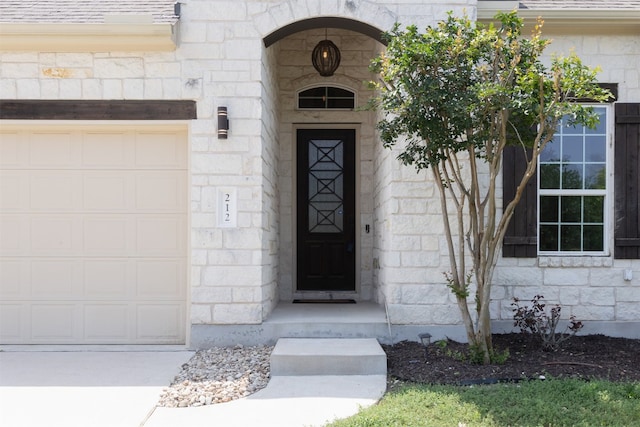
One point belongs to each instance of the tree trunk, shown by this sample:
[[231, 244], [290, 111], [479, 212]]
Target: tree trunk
[[484, 341]]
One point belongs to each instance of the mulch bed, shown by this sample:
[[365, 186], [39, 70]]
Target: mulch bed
[[585, 357]]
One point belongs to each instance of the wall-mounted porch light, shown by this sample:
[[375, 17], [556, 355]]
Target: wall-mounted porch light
[[223, 123], [325, 57]]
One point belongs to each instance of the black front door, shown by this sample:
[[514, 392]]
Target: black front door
[[326, 209]]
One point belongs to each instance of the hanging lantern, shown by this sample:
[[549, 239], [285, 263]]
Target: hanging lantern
[[325, 57]]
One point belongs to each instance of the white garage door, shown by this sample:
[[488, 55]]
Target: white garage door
[[93, 235]]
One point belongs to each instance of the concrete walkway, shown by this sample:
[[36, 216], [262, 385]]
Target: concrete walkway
[[82, 389], [298, 401], [121, 388]]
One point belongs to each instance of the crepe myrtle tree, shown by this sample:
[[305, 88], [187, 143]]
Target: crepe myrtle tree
[[451, 99]]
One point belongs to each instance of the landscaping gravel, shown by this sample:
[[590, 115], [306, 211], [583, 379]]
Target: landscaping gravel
[[219, 375]]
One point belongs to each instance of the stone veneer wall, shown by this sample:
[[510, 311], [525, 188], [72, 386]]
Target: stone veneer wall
[[270, 218], [238, 275]]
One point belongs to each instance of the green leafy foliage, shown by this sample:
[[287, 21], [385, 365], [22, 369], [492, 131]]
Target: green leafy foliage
[[462, 85], [452, 98]]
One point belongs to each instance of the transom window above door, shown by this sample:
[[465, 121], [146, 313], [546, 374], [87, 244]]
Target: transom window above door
[[326, 97]]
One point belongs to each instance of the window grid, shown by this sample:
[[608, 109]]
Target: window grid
[[572, 183], [326, 98]]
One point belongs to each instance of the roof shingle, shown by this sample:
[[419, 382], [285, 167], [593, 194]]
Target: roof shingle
[[83, 12], [580, 4]]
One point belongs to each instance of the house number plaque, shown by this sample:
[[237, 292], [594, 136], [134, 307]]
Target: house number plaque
[[227, 207]]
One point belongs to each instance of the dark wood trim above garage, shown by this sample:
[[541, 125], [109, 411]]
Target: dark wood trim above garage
[[97, 110]]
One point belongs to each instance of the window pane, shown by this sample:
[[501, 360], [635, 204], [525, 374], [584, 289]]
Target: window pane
[[551, 152], [550, 176], [595, 149], [572, 176], [568, 129], [549, 209], [314, 92], [571, 208], [572, 149], [595, 177], [601, 127], [594, 209], [570, 237], [548, 237], [593, 238], [311, 103], [340, 103], [336, 92]]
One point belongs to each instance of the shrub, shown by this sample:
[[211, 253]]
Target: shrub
[[536, 321]]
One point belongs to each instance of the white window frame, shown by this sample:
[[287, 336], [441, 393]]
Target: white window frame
[[607, 193]]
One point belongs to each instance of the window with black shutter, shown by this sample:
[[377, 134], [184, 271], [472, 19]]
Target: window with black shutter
[[520, 241], [521, 237], [627, 181]]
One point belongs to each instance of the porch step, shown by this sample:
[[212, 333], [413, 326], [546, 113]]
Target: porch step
[[328, 356]]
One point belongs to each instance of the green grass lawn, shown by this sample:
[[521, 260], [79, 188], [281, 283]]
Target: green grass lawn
[[549, 403]]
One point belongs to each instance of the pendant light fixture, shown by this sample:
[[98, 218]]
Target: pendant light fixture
[[325, 57]]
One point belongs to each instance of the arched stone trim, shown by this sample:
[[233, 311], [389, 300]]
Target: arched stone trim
[[324, 22], [291, 16], [313, 80]]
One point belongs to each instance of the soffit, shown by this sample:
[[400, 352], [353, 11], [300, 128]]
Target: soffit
[[88, 25], [571, 16]]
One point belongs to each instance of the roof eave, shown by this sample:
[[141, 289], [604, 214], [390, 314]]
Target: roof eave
[[105, 37], [568, 21]]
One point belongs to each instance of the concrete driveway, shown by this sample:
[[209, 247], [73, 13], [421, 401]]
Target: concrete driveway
[[83, 388]]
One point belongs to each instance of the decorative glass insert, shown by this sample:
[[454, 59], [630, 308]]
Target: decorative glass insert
[[326, 186], [573, 189], [326, 97]]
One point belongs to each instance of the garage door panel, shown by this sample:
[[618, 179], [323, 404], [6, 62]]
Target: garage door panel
[[15, 233], [54, 150], [107, 323], [108, 280], [14, 190], [161, 235], [160, 191], [54, 235], [155, 150], [159, 322], [108, 235], [12, 324], [160, 279], [93, 235], [107, 192], [54, 191], [57, 280], [14, 151], [107, 150], [54, 322], [14, 279]]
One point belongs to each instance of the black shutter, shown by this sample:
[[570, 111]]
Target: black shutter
[[520, 240], [627, 181]]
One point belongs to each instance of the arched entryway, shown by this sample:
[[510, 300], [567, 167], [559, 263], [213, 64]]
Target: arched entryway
[[324, 251]]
